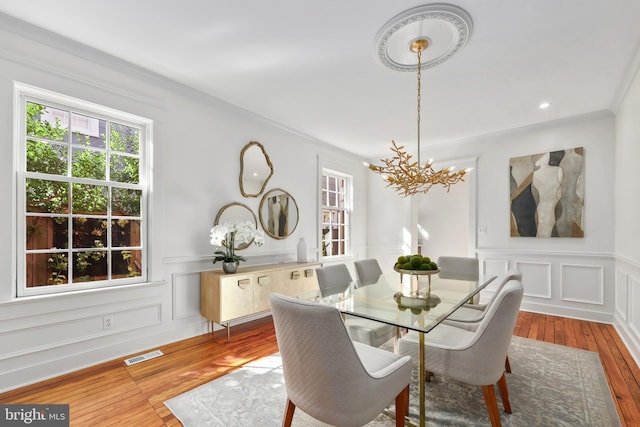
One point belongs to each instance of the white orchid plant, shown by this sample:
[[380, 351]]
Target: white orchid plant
[[231, 234]]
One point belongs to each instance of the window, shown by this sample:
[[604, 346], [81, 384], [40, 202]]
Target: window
[[82, 191], [336, 209]]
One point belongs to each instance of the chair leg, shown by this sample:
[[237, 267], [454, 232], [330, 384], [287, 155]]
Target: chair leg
[[504, 393], [427, 376], [507, 365], [492, 405], [402, 406], [288, 414]]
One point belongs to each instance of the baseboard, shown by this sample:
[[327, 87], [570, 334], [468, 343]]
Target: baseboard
[[592, 316]]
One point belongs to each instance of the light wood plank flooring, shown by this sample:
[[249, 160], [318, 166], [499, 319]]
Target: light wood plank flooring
[[114, 394]]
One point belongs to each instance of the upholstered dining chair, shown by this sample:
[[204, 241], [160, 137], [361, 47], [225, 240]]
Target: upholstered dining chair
[[330, 377], [469, 315], [334, 279], [463, 268], [474, 357], [368, 271]]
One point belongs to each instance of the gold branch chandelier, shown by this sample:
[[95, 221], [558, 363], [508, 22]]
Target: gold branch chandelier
[[451, 27]]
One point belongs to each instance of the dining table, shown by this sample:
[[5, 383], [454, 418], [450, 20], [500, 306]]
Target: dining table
[[413, 300]]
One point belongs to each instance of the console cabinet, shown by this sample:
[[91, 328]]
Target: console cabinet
[[225, 297]]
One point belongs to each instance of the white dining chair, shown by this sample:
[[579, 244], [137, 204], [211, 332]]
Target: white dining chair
[[469, 315], [474, 357], [462, 268], [334, 279], [368, 271], [330, 377]]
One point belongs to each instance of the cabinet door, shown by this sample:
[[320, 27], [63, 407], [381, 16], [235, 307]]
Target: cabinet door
[[236, 296], [292, 282], [266, 283], [309, 279]]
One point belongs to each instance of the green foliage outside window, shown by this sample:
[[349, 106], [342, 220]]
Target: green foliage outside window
[[61, 160]]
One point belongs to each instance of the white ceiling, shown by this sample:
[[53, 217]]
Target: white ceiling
[[310, 65]]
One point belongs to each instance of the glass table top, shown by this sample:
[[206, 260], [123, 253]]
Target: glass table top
[[414, 302]]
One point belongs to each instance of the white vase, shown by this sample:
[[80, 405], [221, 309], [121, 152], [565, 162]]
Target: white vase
[[302, 251]]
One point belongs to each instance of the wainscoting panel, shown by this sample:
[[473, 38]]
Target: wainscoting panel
[[582, 283], [570, 284], [627, 304], [186, 295], [622, 295], [634, 302], [536, 278], [57, 334]]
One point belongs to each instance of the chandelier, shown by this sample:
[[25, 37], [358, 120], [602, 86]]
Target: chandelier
[[401, 172]]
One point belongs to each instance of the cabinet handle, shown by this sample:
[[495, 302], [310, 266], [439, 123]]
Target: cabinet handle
[[295, 275], [244, 282], [308, 272], [264, 280]]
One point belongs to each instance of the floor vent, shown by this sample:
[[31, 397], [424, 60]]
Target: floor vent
[[143, 357]]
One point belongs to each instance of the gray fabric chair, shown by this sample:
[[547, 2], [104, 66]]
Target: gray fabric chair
[[368, 271], [474, 357], [469, 315], [328, 376], [334, 279], [463, 268]]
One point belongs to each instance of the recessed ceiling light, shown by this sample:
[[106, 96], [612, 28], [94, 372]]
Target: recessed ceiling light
[[544, 105]]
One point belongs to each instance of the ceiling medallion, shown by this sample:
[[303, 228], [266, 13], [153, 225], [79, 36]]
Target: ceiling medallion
[[447, 27]]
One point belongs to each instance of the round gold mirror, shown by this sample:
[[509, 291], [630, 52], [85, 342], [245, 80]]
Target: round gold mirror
[[278, 214], [236, 212], [255, 169]]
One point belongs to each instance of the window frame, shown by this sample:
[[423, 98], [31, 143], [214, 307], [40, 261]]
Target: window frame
[[23, 94], [347, 210]]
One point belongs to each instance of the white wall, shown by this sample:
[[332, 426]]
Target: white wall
[[627, 206], [196, 148]]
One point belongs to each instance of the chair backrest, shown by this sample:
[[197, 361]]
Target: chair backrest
[[368, 271], [333, 279], [323, 374], [503, 280], [463, 268], [491, 340]]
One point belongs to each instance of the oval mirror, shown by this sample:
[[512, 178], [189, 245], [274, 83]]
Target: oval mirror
[[236, 212], [278, 213], [255, 169]]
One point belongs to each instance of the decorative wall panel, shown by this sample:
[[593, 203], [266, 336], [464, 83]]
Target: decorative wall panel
[[634, 300], [536, 278], [622, 296], [582, 283], [186, 295], [547, 194]]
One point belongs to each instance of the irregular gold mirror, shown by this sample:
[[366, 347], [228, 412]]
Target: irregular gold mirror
[[278, 213], [236, 212], [255, 169]]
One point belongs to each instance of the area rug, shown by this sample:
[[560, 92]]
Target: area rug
[[550, 385]]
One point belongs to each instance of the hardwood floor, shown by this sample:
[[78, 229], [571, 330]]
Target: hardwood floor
[[115, 394]]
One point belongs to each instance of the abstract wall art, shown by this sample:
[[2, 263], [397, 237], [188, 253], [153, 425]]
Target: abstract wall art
[[547, 194]]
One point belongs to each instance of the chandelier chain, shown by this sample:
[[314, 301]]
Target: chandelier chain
[[400, 172], [419, 98]]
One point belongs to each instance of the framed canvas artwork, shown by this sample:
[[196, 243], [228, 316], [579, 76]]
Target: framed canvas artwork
[[547, 194]]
